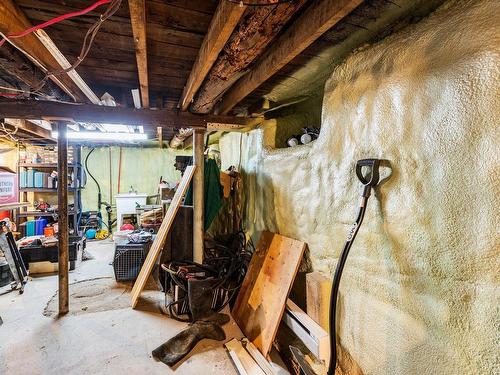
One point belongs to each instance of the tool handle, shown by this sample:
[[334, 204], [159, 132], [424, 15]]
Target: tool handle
[[372, 177]]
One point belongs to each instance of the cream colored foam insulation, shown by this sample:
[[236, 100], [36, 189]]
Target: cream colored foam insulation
[[420, 292]]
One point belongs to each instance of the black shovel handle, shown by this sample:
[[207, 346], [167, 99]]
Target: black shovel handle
[[373, 176]]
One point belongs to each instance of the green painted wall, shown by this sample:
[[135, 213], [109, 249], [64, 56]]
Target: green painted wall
[[141, 168]]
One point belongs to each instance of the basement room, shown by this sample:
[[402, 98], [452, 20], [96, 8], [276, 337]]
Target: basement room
[[249, 187]]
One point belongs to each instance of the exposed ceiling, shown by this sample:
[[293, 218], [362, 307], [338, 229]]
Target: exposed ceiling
[[175, 31]]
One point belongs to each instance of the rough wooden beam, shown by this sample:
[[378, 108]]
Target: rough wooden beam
[[17, 65], [256, 29], [320, 16], [39, 109], [225, 19], [138, 20], [30, 128], [62, 204], [13, 20]]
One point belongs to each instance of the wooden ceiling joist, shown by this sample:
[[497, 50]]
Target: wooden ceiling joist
[[13, 20], [138, 20], [225, 19], [319, 16], [255, 31], [17, 65], [30, 128], [49, 110]]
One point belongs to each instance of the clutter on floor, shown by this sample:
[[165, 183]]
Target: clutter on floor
[[161, 236], [262, 297]]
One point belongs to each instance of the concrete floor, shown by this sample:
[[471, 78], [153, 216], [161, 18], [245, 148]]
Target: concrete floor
[[107, 342]]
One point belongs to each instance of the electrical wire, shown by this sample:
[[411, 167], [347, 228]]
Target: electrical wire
[[241, 3], [88, 40], [54, 21], [8, 133]]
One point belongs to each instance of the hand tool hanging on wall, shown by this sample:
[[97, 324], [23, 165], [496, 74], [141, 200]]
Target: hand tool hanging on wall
[[369, 180]]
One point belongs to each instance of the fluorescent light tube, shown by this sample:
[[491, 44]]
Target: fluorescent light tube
[[101, 136]]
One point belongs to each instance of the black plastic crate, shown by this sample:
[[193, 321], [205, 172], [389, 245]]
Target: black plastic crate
[[128, 260], [38, 253]]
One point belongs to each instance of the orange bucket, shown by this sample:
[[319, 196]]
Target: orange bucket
[[48, 231]]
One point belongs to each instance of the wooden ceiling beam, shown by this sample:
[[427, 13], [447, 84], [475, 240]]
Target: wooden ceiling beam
[[29, 127], [49, 110], [317, 18], [225, 19], [13, 20], [255, 31], [138, 19]]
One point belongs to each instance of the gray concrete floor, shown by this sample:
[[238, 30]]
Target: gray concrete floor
[[107, 342]]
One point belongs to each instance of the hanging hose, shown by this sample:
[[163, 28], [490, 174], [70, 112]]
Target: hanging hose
[[99, 196]]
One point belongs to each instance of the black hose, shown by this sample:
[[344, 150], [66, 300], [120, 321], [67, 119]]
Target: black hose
[[336, 283], [93, 178]]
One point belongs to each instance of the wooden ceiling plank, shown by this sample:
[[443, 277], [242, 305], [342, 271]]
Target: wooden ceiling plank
[[319, 17], [225, 19], [13, 20], [138, 20], [40, 109]]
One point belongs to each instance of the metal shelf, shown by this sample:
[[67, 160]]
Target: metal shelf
[[44, 165], [40, 213], [46, 190]]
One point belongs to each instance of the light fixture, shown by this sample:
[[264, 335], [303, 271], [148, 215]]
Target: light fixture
[[101, 136]]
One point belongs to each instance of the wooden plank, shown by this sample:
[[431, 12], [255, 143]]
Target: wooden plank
[[258, 357], [138, 20], [319, 16], [161, 236], [223, 22], [257, 28], [39, 109], [315, 338], [243, 361], [318, 289], [12, 20], [262, 297]]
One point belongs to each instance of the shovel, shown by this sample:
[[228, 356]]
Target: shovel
[[369, 178]]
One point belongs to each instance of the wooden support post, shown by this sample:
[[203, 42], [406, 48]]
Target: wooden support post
[[198, 195], [62, 202]]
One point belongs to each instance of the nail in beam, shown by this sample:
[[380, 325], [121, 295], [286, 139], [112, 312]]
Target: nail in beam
[[198, 194], [62, 203]]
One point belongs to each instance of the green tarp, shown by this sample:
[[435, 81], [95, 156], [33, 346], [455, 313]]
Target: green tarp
[[213, 192]]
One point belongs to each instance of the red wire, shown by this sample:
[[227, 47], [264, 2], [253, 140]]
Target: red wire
[[56, 20]]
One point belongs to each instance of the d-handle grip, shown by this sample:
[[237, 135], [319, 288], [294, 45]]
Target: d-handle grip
[[372, 177]]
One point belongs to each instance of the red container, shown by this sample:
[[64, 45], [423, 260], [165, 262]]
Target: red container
[[48, 231]]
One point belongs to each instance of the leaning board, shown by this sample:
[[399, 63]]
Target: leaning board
[[161, 236], [261, 301]]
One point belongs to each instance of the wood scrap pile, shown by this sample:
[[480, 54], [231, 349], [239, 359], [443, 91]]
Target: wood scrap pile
[[262, 304]]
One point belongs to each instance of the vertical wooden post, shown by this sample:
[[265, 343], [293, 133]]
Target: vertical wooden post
[[62, 203], [198, 194]]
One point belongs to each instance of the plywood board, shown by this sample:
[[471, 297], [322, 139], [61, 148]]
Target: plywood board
[[161, 236], [261, 301]]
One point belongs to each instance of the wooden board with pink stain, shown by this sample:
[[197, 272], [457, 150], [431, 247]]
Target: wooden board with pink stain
[[261, 301]]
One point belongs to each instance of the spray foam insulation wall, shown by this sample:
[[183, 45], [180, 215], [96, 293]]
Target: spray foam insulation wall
[[420, 293]]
